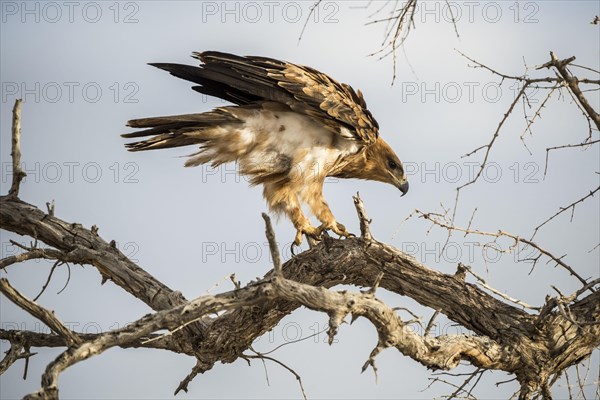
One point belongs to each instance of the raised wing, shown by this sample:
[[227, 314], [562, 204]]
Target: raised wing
[[246, 80]]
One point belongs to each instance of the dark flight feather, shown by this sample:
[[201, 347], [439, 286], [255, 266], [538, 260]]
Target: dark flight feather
[[250, 80]]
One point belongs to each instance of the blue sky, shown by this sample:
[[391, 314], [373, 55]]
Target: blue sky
[[81, 69]]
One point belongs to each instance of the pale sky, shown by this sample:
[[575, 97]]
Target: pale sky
[[81, 69]]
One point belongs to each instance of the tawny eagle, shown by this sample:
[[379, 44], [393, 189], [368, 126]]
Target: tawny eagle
[[290, 128]]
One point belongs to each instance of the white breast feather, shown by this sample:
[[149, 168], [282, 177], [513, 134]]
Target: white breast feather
[[309, 145]]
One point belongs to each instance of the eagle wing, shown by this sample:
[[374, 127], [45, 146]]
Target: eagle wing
[[247, 80]]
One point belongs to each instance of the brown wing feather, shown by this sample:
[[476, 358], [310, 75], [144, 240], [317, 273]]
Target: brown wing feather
[[302, 88], [323, 94]]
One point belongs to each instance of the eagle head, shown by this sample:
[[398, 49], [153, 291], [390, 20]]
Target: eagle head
[[383, 165], [377, 162]]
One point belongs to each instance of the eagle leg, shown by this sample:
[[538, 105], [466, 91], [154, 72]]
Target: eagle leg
[[283, 200], [321, 210]]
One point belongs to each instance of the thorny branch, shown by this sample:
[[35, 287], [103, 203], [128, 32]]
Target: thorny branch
[[563, 209], [561, 67], [444, 223], [564, 146], [563, 78]]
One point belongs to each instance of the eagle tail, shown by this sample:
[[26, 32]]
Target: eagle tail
[[181, 130]]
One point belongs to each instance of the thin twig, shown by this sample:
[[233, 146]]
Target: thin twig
[[431, 322], [507, 381], [558, 260], [310, 13], [563, 209], [47, 281], [453, 19], [584, 144], [488, 146], [537, 114], [298, 377], [568, 385], [402, 22], [293, 341]]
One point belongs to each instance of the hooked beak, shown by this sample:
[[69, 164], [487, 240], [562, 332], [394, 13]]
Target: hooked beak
[[403, 187]]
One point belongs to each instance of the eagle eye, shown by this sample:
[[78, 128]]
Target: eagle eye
[[392, 164]]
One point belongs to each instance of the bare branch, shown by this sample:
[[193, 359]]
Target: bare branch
[[563, 209], [365, 231], [564, 79], [272, 244], [168, 319], [47, 281], [402, 20], [564, 146], [12, 355], [310, 13], [537, 114], [36, 339], [483, 283], [460, 389], [18, 174], [453, 19], [83, 246], [32, 254], [431, 322], [261, 356], [517, 239], [47, 317], [488, 146], [561, 67]]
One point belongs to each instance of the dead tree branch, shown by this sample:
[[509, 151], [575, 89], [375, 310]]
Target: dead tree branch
[[18, 173], [350, 261], [13, 354], [47, 317], [561, 67], [365, 231]]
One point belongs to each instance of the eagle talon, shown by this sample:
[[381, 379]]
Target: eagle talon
[[292, 248], [311, 233], [341, 230], [336, 228]]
